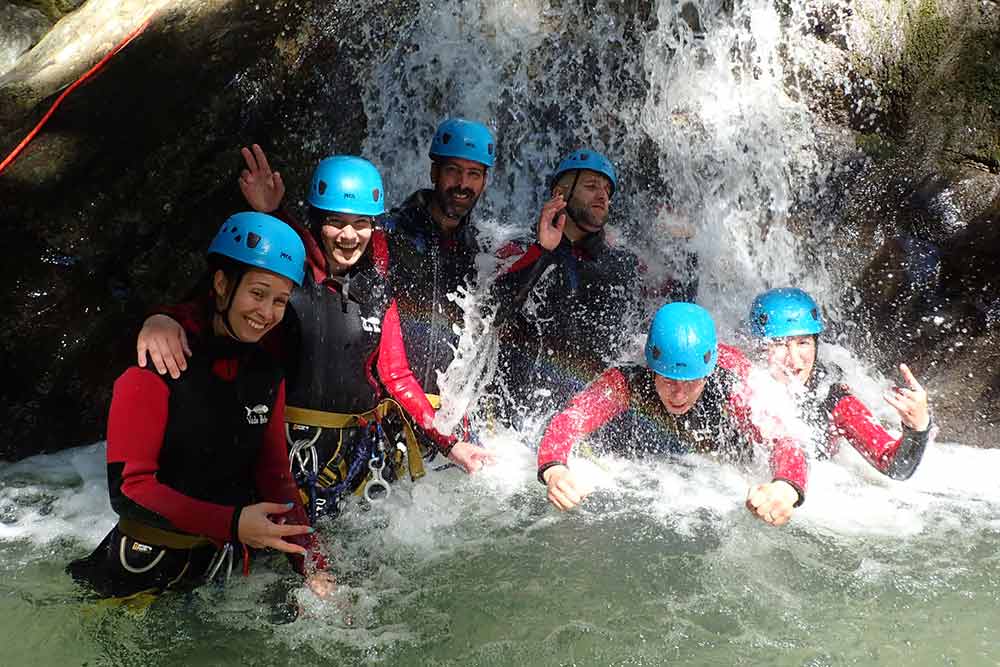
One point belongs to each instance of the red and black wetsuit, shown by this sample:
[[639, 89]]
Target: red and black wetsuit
[[427, 266], [185, 457], [624, 412], [834, 411]]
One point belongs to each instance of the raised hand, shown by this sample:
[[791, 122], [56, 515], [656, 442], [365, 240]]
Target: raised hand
[[910, 402], [262, 188], [550, 227]]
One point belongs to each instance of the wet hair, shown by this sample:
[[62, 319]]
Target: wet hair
[[315, 217], [231, 269]]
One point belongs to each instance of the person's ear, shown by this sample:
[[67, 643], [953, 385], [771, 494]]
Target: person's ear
[[220, 283]]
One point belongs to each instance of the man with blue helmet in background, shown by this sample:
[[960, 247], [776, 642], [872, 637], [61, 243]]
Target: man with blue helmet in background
[[433, 244], [577, 310], [788, 321], [691, 396]]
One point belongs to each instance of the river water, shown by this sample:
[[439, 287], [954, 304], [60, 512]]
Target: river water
[[710, 124]]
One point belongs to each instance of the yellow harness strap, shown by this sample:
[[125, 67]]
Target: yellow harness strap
[[160, 537], [338, 420], [321, 419]]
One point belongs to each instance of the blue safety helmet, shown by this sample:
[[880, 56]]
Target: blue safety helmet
[[261, 241], [682, 344], [465, 139], [347, 184], [785, 311], [584, 158]]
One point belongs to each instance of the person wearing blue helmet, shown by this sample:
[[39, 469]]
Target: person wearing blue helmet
[[197, 465], [432, 240], [352, 394], [568, 297], [788, 322], [692, 395]]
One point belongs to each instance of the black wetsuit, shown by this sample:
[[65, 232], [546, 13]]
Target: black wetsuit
[[427, 266]]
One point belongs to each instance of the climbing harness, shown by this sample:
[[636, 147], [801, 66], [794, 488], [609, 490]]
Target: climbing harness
[[372, 464]]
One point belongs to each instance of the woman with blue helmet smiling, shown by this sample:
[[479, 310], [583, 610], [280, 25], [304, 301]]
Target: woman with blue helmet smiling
[[197, 465], [788, 321], [691, 396]]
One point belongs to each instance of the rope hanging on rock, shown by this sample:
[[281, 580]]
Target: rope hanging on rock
[[86, 75]]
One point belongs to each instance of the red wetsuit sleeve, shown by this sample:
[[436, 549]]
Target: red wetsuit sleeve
[[787, 459], [852, 420], [601, 401], [136, 426], [525, 258], [394, 372]]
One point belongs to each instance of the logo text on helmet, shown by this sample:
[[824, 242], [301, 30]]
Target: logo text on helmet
[[285, 255]]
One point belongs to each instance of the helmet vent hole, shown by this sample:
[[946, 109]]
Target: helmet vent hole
[[708, 356], [321, 187], [656, 352], [239, 237], [252, 240], [815, 315], [375, 194], [446, 137], [763, 318], [489, 149]]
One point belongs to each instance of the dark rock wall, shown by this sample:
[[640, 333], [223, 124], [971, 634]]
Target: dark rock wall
[[109, 210]]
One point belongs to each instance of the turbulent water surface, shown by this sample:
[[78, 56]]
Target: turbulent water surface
[[662, 564]]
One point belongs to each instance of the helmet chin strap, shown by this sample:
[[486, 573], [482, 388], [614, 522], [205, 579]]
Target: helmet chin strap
[[225, 312]]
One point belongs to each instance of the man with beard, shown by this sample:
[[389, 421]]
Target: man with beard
[[560, 325], [433, 244]]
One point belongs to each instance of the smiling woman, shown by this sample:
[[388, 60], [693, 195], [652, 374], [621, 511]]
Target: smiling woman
[[196, 466]]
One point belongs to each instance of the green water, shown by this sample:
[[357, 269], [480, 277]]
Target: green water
[[663, 567]]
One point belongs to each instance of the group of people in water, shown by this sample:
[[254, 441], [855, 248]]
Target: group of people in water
[[304, 368]]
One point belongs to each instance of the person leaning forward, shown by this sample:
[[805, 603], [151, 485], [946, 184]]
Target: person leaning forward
[[691, 396]]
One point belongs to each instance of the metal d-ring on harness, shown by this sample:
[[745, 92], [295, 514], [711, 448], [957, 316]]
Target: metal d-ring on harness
[[377, 489], [303, 452], [223, 555]]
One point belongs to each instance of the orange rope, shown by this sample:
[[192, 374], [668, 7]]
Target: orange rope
[[55, 105]]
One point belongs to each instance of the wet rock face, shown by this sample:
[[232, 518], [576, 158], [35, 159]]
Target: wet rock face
[[22, 28], [117, 199], [923, 212]]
